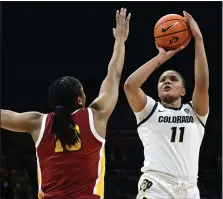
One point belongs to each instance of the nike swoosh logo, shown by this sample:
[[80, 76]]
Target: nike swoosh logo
[[165, 29], [161, 110]]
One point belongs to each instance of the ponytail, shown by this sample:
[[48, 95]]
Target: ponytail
[[63, 93], [64, 127]]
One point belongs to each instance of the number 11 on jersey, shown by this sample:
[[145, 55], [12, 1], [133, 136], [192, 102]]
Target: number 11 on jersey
[[174, 132]]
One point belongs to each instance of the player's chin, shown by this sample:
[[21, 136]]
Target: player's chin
[[168, 97]]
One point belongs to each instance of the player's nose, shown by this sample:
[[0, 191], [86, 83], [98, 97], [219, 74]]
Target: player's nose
[[167, 81]]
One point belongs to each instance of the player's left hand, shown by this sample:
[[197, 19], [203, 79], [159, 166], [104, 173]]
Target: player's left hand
[[122, 25], [193, 26], [165, 55]]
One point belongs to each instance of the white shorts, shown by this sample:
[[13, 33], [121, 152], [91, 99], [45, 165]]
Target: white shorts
[[154, 186]]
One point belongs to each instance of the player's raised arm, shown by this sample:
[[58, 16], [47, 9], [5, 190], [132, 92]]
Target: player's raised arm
[[200, 98], [105, 103], [135, 95], [20, 122]]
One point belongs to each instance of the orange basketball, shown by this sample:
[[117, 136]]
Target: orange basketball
[[172, 31]]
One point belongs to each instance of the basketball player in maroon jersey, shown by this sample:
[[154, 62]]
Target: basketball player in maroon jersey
[[70, 141]]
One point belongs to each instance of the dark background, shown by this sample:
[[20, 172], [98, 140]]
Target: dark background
[[42, 41]]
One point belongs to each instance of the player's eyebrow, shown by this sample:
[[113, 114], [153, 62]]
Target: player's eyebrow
[[169, 76]]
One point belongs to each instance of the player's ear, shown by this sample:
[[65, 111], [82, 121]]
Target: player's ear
[[79, 101], [183, 92]]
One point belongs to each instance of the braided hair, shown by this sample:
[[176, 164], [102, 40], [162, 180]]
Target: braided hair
[[63, 93]]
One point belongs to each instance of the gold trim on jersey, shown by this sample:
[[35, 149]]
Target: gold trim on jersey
[[40, 195], [99, 186]]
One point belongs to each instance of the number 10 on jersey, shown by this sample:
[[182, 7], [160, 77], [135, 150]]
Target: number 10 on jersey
[[75, 147], [176, 130]]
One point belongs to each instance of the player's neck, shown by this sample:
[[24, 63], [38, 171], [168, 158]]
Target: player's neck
[[174, 104]]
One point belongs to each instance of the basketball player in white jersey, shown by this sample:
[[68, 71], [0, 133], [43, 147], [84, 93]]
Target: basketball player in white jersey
[[171, 132]]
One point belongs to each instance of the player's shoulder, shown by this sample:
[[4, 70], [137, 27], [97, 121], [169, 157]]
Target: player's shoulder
[[80, 111], [188, 107], [202, 119], [82, 114]]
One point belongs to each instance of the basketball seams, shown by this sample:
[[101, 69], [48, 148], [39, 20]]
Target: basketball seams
[[172, 33], [167, 21], [170, 48], [176, 35]]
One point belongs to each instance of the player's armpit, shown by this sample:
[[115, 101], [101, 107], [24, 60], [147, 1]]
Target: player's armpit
[[21, 122], [136, 97]]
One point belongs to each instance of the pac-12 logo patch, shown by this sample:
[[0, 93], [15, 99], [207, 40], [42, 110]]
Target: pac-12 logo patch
[[146, 184], [187, 110]]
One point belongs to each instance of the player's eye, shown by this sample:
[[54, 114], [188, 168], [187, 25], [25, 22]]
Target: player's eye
[[174, 79]]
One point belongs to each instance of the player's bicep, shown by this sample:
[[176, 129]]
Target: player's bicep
[[20, 122], [200, 101], [136, 98]]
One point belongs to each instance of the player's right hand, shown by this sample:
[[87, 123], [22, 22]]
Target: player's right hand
[[195, 30], [122, 25], [165, 55]]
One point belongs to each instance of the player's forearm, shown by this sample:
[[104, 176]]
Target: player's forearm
[[117, 61], [201, 66], [137, 78]]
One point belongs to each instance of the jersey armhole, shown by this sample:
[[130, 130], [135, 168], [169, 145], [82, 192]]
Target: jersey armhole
[[150, 114], [141, 115], [41, 131], [92, 127], [190, 104]]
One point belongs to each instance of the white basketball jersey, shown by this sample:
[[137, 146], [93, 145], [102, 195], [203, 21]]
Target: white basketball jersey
[[171, 138]]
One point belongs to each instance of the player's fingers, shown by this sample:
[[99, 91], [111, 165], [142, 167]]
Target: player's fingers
[[128, 17], [127, 20], [187, 15], [117, 17], [157, 46], [124, 13], [189, 20], [122, 16], [177, 50]]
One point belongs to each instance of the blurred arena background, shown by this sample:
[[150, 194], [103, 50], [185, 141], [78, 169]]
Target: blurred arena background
[[42, 41]]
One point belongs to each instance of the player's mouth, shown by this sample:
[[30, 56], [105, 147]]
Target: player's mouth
[[167, 88]]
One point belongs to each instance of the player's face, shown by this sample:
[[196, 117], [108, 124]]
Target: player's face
[[170, 87], [82, 98]]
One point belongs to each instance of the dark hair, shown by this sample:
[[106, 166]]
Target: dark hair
[[63, 93]]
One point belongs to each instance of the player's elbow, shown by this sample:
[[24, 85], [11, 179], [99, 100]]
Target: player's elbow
[[129, 85]]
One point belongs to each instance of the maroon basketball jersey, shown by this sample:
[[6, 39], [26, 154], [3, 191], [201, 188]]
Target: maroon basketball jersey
[[72, 172]]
